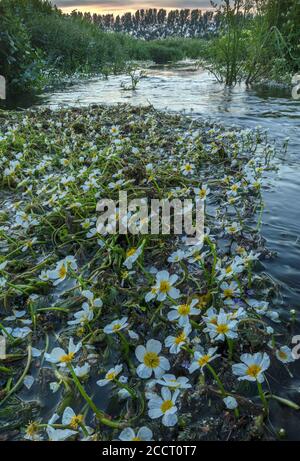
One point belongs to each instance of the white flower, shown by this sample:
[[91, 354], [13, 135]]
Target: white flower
[[175, 343], [59, 435], [114, 130], [163, 287], [230, 403], [82, 371], [233, 228], [131, 256], [177, 256], [70, 418], [115, 326], [164, 406], [58, 355], [83, 316], [183, 312], [230, 290], [202, 193], [150, 360], [285, 355], [187, 168], [173, 383], [129, 435], [60, 273], [223, 328], [25, 220], [91, 298], [236, 267], [111, 375], [252, 367], [201, 359]]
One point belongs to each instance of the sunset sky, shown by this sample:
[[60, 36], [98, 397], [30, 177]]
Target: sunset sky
[[120, 6]]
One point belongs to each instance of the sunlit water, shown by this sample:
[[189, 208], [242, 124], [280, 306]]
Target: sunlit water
[[195, 92]]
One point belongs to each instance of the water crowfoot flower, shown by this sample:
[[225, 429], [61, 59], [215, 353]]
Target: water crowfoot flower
[[173, 383], [132, 256], [110, 376], [62, 358], [150, 360], [144, 434], [201, 359], [116, 325], [175, 343], [252, 367], [285, 355], [183, 312], [164, 406], [163, 287], [223, 328]]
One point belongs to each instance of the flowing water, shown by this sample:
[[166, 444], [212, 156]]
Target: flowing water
[[195, 92]]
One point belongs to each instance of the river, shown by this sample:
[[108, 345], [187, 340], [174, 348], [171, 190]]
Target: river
[[183, 88]]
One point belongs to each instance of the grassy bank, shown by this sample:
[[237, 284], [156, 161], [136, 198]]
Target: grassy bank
[[35, 38], [198, 309]]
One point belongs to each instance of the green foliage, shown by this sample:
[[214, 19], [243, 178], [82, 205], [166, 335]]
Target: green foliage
[[19, 62], [259, 40]]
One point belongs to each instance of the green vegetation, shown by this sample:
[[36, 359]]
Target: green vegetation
[[35, 36], [259, 40]]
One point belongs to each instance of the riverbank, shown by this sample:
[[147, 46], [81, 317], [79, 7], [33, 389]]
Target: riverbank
[[64, 284]]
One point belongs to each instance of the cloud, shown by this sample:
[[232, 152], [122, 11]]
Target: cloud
[[131, 4]]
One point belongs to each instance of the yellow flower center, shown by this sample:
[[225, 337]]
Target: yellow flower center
[[32, 429], [67, 358], [136, 439], [164, 286], [228, 293], [130, 252], [76, 421], [151, 360], [184, 309], [116, 327], [202, 193], [202, 301], [187, 167], [228, 269], [203, 360], [111, 376], [180, 338], [282, 355], [62, 271], [254, 370], [232, 229], [222, 329], [166, 405]]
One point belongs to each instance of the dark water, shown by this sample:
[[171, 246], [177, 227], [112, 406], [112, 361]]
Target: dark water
[[183, 88]]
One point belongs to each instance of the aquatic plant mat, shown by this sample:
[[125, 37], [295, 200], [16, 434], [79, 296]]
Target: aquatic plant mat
[[133, 336]]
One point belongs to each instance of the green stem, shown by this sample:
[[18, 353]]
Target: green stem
[[262, 396], [216, 377], [98, 413]]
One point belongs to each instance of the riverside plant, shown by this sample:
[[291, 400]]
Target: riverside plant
[[160, 327]]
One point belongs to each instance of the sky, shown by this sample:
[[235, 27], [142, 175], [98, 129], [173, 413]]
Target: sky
[[120, 6]]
